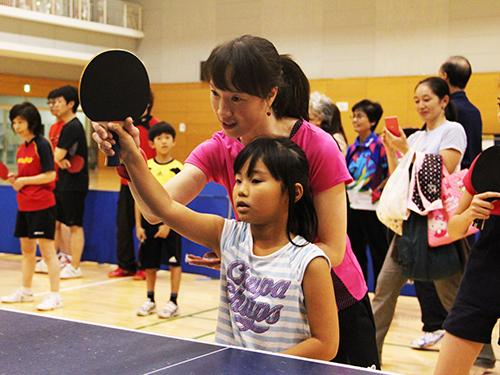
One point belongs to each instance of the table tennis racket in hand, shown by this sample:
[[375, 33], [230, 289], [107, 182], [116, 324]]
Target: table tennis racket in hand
[[77, 163], [114, 85], [485, 176], [4, 171]]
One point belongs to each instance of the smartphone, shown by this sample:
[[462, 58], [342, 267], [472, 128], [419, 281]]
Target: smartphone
[[391, 123]]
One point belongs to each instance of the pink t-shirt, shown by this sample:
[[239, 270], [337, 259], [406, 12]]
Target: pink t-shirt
[[215, 157]]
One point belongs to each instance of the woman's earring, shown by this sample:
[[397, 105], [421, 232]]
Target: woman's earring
[[268, 113]]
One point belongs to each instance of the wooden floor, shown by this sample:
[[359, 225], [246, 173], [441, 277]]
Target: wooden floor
[[96, 298]]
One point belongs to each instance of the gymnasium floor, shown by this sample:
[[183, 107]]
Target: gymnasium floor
[[98, 299]]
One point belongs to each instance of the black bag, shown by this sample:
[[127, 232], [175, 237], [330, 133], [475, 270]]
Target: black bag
[[422, 262]]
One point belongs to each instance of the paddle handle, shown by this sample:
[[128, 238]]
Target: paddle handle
[[479, 224], [114, 161]]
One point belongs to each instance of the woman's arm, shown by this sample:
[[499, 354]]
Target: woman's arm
[[469, 209], [331, 208], [39, 179], [321, 313], [451, 158], [201, 228]]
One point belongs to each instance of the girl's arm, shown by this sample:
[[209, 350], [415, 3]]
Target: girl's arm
[[331, 208], [321, 313], [183, 187], [39, 179], [469, 209], [201, 228]]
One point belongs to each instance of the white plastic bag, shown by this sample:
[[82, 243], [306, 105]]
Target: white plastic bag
[[392, 208]]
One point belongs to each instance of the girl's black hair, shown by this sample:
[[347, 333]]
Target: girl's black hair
[[29, 112], [441, 89], [252, 65], [287, 163]]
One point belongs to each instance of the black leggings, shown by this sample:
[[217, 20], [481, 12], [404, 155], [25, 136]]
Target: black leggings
[[357, 346]]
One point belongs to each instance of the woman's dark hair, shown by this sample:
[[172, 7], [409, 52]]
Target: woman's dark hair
[[252, 65], [441, 89], [29, 112], [372, 110], [288, 164]]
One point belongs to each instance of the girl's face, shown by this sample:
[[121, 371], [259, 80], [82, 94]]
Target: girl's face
[[361, 124], [21, 127], [259, 198], [240, 114], [428, 104]]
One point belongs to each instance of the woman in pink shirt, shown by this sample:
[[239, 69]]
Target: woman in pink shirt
[[256, 92]]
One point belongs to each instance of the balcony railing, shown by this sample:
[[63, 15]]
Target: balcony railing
[[110, 12]]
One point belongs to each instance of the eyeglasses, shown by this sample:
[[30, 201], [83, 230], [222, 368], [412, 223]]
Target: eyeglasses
[[51, 102], [358, 115]]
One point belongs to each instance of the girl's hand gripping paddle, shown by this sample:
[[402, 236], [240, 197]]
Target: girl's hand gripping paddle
[[485, 176], [114, 85]]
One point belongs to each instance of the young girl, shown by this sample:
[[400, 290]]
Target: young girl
[[275, 285], [36, 217], [476, 309]]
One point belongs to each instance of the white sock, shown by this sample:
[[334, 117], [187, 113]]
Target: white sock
[[26, 290], [55, 295]]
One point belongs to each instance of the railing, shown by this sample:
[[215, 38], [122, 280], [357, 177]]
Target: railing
[[110, 12]]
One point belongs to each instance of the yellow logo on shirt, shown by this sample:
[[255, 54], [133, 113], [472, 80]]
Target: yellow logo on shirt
[[25, 160]]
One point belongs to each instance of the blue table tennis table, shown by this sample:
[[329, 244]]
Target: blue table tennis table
[[36, 344]]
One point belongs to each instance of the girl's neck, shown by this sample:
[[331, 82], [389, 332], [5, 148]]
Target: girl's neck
[[440, 120], [272, 127], [29, 138], [267, 239]]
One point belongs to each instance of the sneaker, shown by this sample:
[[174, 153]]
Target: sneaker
[[140, 275], [41, 267], [120, 272], [147, 308], [50, 302], [427, 340], [69, 272], [18, 296], [64, 259], [169, 310]]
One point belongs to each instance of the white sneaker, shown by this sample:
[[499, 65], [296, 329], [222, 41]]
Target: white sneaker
[[69, 272], [41, 267], [18, 296], [147, 308], [169, 310], [64, 259], [427, 340], [50, 302]]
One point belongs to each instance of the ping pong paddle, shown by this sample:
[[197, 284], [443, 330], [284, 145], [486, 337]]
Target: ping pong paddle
[[77, 163], [114, 85], [484, 176], [4, 171]]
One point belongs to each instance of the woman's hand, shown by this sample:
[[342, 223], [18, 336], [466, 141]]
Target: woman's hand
[[394, 144], [209, 260], [104, 138]]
